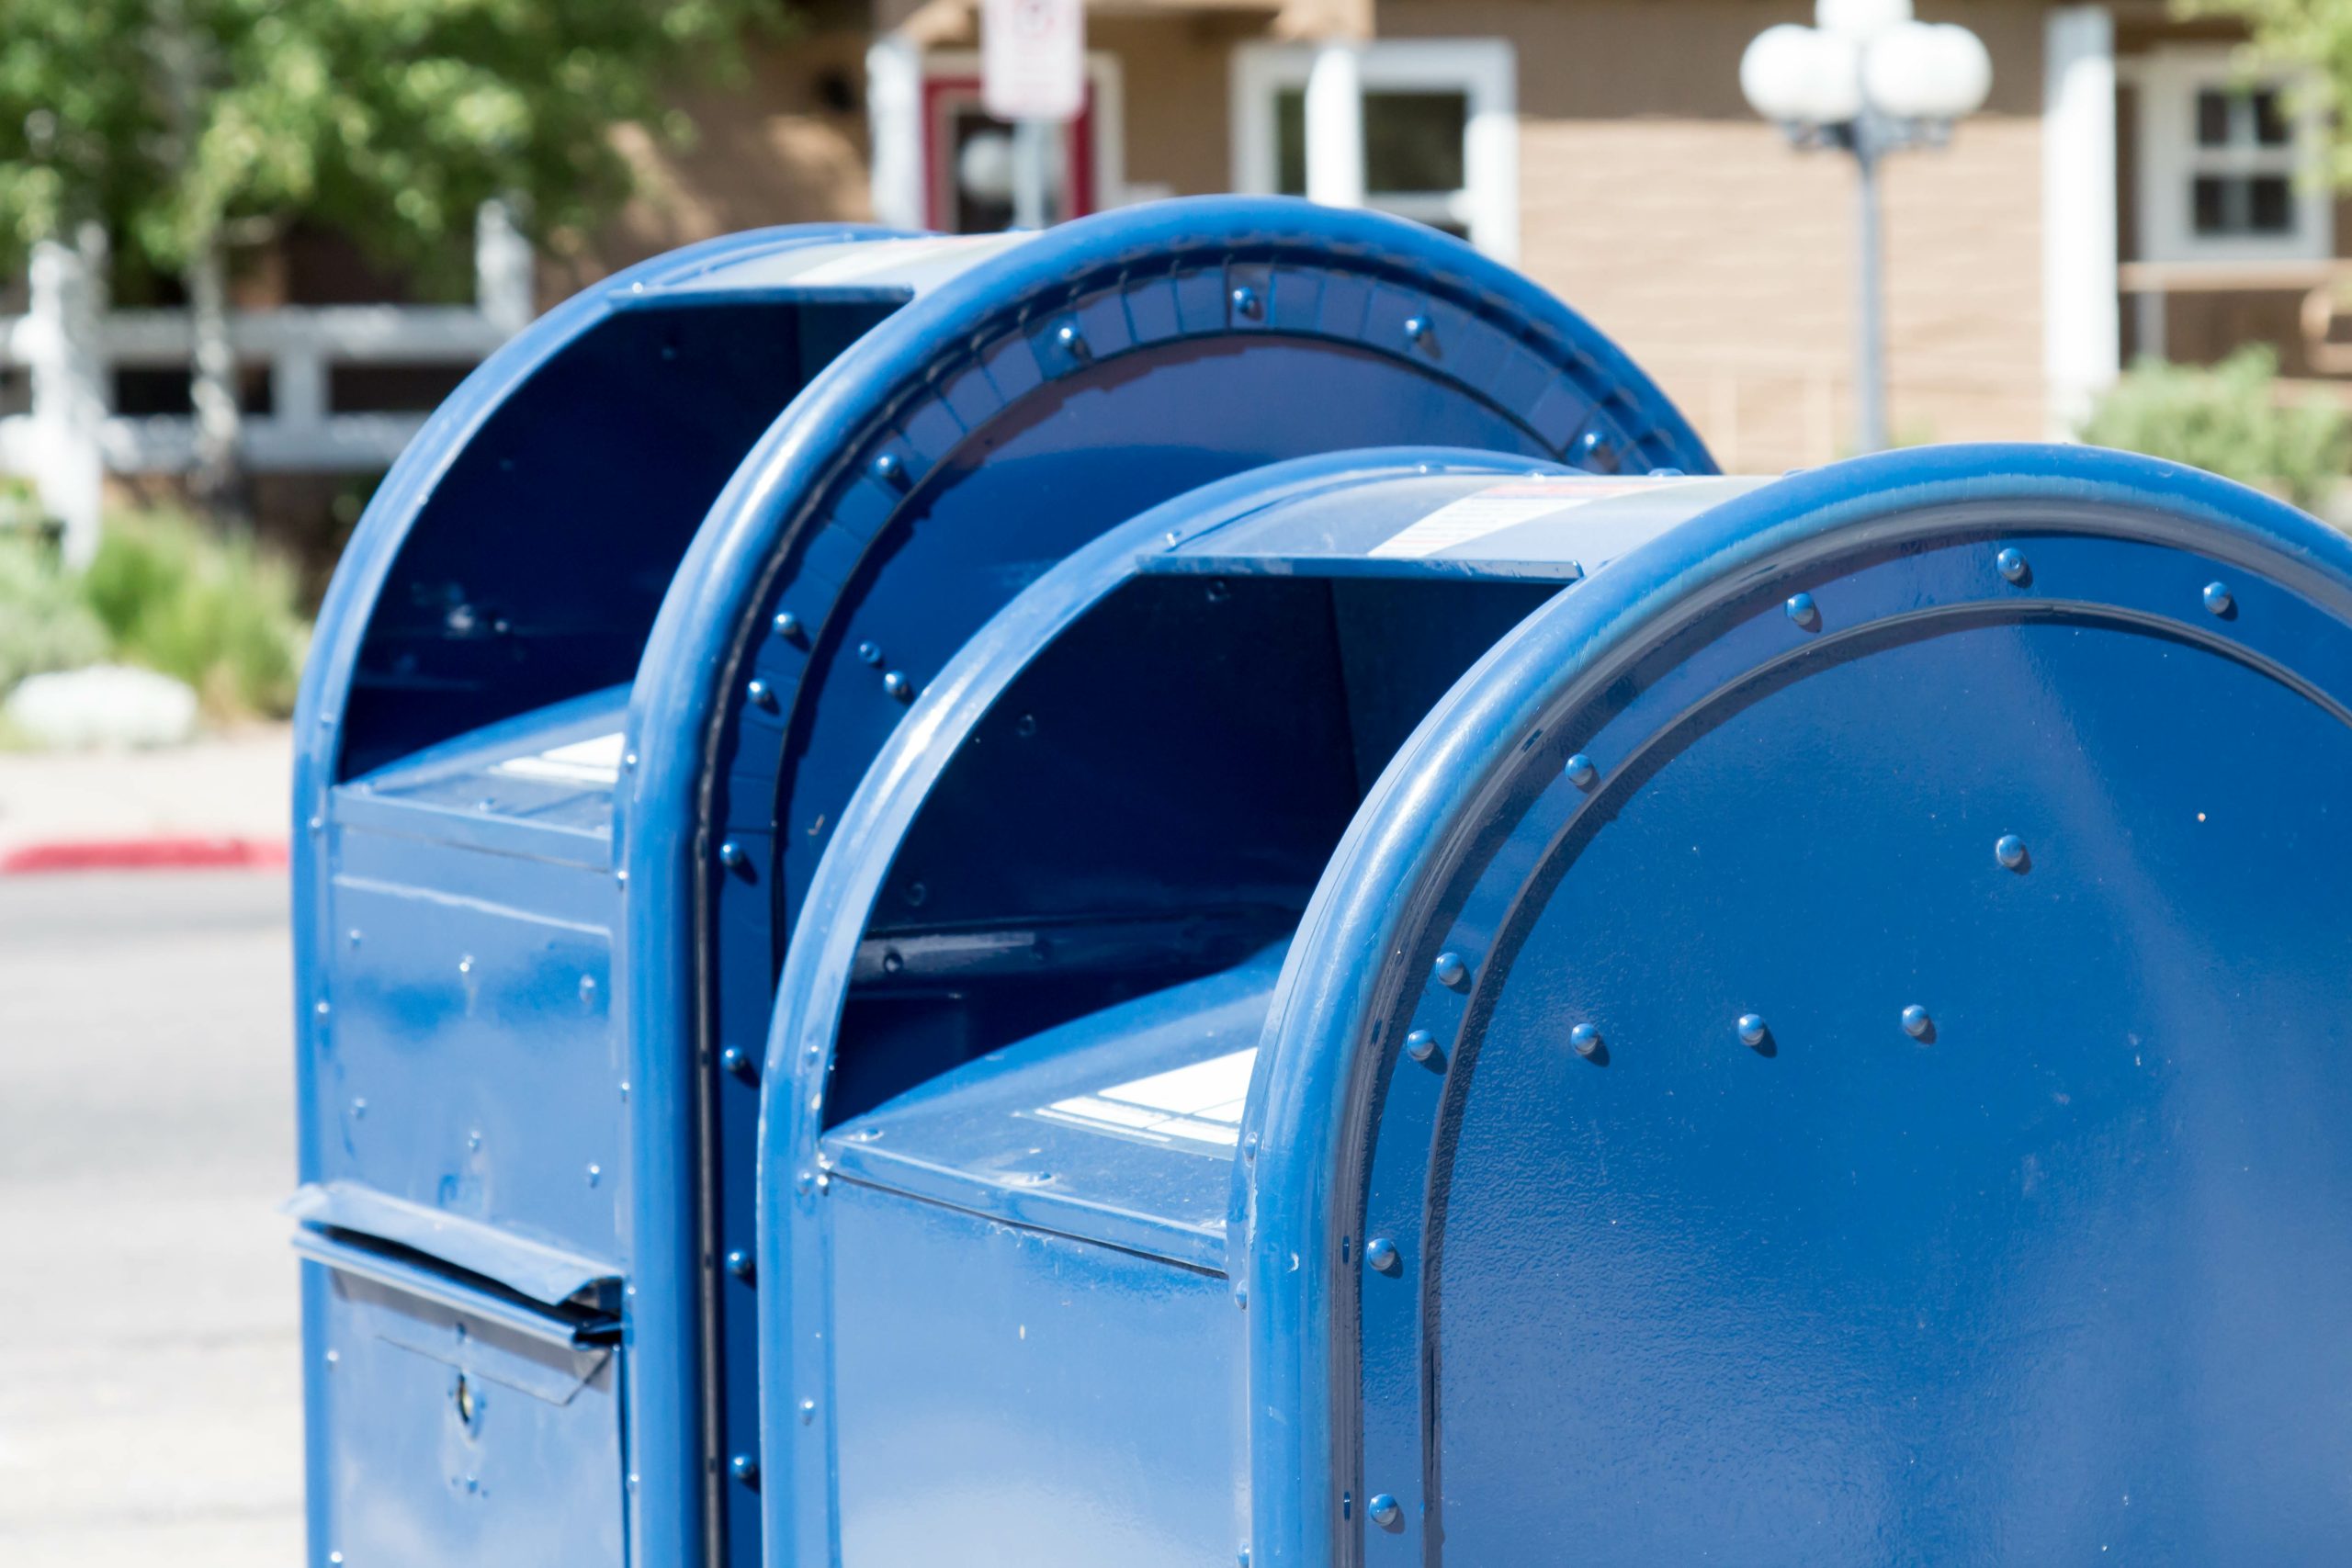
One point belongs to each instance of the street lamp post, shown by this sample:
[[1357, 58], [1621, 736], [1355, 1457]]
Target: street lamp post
[[1867, 79]]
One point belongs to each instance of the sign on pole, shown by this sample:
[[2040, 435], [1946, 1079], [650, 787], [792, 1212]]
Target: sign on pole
[[1033, 59]]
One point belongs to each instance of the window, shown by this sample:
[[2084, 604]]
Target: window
[[2222, 164], [1439, 131]]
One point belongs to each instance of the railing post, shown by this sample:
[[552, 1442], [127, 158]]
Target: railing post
[[1335, 173], [69, 393], [503, 285]]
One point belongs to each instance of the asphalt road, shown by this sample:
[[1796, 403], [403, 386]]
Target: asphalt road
[[150, 1378]]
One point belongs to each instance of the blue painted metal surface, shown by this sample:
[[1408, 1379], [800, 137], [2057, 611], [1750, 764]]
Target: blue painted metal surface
[[2042, 1275], [620, 634], [1341, 1004]]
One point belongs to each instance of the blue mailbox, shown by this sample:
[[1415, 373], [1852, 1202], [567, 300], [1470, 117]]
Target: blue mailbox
[[593, 690], [1636, 1020], [1188, 891]]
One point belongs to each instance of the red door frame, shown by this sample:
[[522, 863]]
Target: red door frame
[[942, 92]]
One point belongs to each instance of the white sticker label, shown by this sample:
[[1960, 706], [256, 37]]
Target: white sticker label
[[1201, 1104], [595, 762], [869, 257], [1502, 507]]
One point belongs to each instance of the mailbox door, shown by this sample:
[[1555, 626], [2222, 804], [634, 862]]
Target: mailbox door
[[451, 1432]]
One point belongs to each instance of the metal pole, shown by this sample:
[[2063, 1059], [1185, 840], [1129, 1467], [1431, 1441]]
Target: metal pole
[[1032, 176], [1870, 327]]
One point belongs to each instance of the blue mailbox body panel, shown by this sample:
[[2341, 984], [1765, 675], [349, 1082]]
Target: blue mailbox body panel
[[1814, 1046], [611, 649]]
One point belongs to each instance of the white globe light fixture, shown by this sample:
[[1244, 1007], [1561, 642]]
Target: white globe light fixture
[[1868, 78]]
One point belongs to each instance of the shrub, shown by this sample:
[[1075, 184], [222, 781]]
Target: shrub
[[44, 624], [216, 612], [2231, 419]]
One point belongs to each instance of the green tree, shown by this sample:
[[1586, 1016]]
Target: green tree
[[185, 127]]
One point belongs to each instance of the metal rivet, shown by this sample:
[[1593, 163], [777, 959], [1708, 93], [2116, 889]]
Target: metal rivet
[[358, 1109], [1581, 771], [1073, 342], [889, 470], [1420, 1045], [2218, 600], [1585, 1039], [787, 625], [1417, 329], [1803, 611], [1595, 450], [1449, 969], [731, 855], [736, 1061], [1751, 1029], [762, 695], [2011, 562], [745, 1469], [805, 1181], [1241, 1298], [596, 1174], [807, 1411], [1245, 303], [1380, 1255], [1915, 1022], [1667, 474], [739, 1264], [896, 685], [870, 652], [1383, 1510], [2009, 850]]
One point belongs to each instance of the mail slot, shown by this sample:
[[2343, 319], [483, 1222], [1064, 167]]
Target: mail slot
[[1411, 1004], [592, 693]]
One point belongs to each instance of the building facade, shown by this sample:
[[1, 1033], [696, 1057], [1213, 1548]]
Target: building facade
[[2130, 189], [2133, 187]]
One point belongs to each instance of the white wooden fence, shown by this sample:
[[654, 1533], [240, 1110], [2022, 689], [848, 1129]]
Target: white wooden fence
[[71, 437]]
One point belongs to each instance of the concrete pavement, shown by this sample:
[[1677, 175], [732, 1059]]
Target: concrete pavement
[[150, 1405], [222, 791]]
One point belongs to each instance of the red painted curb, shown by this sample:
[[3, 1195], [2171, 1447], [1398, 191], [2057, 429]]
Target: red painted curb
[[145, 854]]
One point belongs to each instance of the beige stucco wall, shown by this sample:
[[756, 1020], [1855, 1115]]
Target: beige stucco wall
[[1176, 72], [1657, 203], [786, 143]]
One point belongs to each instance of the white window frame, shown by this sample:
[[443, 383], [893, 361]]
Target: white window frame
[[2169, 81], [1485, 71]]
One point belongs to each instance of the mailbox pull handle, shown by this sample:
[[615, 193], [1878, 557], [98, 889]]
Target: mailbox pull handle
[[472, 1294]]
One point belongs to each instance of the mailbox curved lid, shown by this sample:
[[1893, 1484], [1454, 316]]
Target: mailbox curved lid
[[1877, 951]]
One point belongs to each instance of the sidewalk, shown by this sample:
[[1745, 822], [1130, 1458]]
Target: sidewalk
[[221, 801]]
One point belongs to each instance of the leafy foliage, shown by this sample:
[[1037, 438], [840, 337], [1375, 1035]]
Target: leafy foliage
[[171, 121], [44, 625], [2229, 418], [216, 612]]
